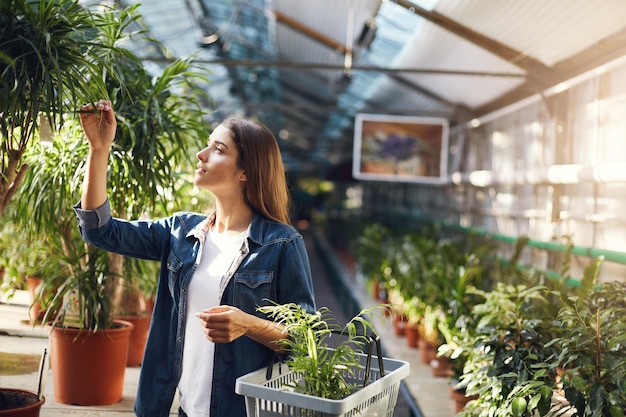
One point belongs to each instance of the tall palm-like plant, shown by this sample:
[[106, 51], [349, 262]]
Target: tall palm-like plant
[[158, 118], [48, 63]]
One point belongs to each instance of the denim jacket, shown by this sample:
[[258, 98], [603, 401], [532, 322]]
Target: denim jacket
[[272, 265]]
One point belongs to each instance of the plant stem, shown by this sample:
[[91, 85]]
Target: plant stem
[[598, 353]]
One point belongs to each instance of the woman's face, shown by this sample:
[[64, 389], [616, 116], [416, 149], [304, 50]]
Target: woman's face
[[217, 164]]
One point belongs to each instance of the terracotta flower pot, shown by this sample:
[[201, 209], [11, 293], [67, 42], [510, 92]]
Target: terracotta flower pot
[[412, 336], [138, 338], [375, 289], [88, 367], [19, 403], [34, 309], [460, 399], [441, 366], [428, 352], [399, 324]]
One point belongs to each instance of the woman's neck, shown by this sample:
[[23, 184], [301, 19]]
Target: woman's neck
[[232, 219]]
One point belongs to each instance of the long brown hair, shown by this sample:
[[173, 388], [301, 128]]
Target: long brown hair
[[260, 158]]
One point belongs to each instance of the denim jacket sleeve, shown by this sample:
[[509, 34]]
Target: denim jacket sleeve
[[137, 239]]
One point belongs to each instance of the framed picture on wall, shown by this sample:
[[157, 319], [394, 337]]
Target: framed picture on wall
[[400, 148]]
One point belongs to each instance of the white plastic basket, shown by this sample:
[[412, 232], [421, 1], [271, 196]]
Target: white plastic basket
[[270, 397]]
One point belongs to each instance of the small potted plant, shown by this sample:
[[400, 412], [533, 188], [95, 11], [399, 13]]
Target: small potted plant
[[371, 250], [15, 402], [20, 403]]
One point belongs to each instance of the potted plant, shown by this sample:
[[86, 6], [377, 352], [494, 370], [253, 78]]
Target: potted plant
[[371, 250], [143, 277], [403, 272], [157, 128], [25, 262], [506, 367], [84, 299], [459, 342], [24, 403], [20, 403], [160, 119], [414, 309], [12, 245], [324, 375], [591, 352], [80, 311], [90, 280]]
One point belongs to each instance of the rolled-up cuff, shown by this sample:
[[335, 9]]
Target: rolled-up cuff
[[92, 219]]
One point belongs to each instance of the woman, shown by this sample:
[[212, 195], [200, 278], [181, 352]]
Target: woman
[[215, 270]]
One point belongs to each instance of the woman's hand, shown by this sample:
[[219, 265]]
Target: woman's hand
[[99, 124], [223, 324]]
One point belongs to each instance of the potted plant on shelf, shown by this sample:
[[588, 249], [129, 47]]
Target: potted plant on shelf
[[414, 309], [372, 251], [324, 376], [506, 367], [591, 352]]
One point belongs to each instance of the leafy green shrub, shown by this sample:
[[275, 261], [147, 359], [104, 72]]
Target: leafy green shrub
[[592, 350]]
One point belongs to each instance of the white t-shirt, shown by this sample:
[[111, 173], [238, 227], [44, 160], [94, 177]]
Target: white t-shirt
[[196, 380]]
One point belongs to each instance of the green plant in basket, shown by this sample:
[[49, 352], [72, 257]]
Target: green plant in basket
[[321, 350]]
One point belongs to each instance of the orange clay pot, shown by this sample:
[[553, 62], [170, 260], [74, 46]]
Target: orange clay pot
[[138, 338], [88, 367]]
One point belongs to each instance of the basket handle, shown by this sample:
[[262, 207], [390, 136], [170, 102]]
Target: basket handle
[[373, 340], [270, 366]]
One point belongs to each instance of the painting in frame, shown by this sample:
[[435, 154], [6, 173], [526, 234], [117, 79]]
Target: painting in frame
[[400, 148]]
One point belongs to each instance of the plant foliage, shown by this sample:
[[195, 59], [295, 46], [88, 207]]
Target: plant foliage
[[326, 372], [159, 118], [592, 351], [46, 67]]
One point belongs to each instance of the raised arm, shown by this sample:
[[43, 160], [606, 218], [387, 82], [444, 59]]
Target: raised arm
[[99, 124]]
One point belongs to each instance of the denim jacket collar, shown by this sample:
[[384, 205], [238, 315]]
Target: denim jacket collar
[[201, 229]]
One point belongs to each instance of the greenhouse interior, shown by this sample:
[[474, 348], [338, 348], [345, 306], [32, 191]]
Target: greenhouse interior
[[456, 174]]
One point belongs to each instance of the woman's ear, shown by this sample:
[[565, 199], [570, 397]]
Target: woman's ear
[[243, 177]]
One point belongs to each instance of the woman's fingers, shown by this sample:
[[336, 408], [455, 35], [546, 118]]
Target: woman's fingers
[[221, 324], [91, 108], [98, 123]]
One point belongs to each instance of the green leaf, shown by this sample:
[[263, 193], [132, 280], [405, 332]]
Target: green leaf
[[615, 411], [518, 406]]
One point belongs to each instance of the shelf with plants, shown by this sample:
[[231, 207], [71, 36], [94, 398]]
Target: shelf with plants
[[508, 328], [590, 351]]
